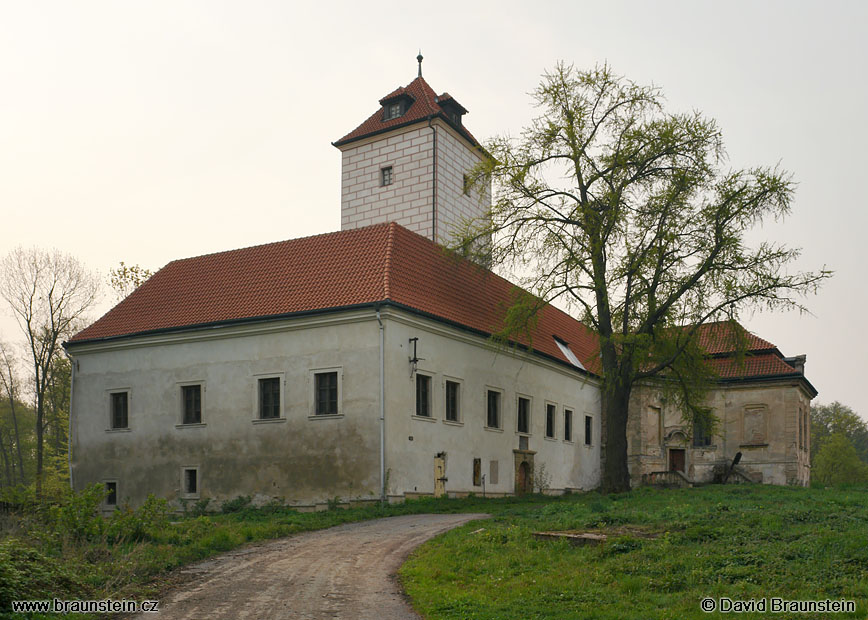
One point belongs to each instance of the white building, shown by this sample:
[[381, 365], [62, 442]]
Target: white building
[[352, 364]]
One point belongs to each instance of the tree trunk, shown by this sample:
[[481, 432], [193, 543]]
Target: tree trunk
[[9, 480], [616, 475], [40, 415]]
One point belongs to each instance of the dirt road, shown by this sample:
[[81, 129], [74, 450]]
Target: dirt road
[[343, 572]]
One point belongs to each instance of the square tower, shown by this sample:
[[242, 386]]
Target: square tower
[[409, 163]]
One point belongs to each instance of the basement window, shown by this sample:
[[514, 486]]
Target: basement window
[[386, 176], [111, 493], [190, 482]]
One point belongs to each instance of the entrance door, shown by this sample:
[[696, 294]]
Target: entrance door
[[439, 476], [523, 485], [676, 460]]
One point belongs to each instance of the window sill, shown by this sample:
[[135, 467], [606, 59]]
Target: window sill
[[186, 496], [453, 423], [492, 429], [268, 420], [323, 416], [196, 425], [523, 434], [569, 441], [423, 418], [550, 438], [119, 430]]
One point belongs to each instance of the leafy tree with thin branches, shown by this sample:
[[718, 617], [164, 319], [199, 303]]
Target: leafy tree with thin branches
[[627, 213]]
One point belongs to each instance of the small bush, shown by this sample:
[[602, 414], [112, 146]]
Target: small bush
[[236, 505]]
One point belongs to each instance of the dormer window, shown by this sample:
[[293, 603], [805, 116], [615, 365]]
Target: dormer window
[[393, 110]]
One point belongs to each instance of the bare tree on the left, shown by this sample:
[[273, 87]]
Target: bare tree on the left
[[48, 292]]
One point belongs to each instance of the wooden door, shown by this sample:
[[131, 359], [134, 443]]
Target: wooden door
[[439, 476], [523, 483], [676, 460]]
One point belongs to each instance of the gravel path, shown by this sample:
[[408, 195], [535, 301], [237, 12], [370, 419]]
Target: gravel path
[[346, 571]]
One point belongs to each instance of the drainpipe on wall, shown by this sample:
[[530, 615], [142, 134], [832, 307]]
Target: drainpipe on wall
[[72, 364], [382, 410]]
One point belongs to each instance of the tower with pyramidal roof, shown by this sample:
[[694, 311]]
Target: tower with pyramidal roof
[[409, 163]]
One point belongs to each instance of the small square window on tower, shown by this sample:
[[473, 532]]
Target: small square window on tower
[[386, 176]]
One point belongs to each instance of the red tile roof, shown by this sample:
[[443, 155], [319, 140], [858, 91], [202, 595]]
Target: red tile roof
[[765, 364], [379, 263], [425, 104], [726, 336]]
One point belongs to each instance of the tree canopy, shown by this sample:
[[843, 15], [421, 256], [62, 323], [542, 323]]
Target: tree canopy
[[627, 213]]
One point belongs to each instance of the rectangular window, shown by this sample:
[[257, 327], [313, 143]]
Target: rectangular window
[[269, 398], [192, 398], [700, 437], [550, 419], [453, 400], [111, 493], [386, 176], [492, 419], [423, 395], [523, 415], [120, 409], [477, 472], [568, 425], [465, 185], [190, 482], [589, 421], [326, 386]]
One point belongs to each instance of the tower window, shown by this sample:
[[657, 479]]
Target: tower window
[[386, 176]]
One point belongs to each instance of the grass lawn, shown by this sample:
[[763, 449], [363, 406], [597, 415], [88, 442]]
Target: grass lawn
[[667, 550]]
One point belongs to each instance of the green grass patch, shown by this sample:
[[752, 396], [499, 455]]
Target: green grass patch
[[667, 550]]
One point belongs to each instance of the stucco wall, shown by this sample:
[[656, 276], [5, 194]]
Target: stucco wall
[[300, 457], [471, 360]]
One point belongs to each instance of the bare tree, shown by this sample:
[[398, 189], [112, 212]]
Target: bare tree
[[10, 386], [48, 291], [627, 213]]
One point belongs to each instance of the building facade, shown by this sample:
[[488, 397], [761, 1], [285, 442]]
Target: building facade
[[359, 364]]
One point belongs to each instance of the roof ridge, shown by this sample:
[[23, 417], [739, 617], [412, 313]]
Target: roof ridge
[[387, 263]]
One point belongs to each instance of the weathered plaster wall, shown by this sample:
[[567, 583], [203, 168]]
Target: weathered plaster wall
[[760, 420], [299, 457], [452, 354]]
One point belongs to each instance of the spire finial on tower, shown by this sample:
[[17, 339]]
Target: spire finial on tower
[[419, 59]]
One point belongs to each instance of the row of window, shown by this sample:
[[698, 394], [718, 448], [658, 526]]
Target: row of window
[[493, 417], [387, 176], [326, 401], [189, 486]]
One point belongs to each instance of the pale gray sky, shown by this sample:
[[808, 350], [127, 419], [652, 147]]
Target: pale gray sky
[[149, 131]]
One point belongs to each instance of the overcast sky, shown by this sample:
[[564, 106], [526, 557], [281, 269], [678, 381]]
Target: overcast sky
[[149, 131]]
